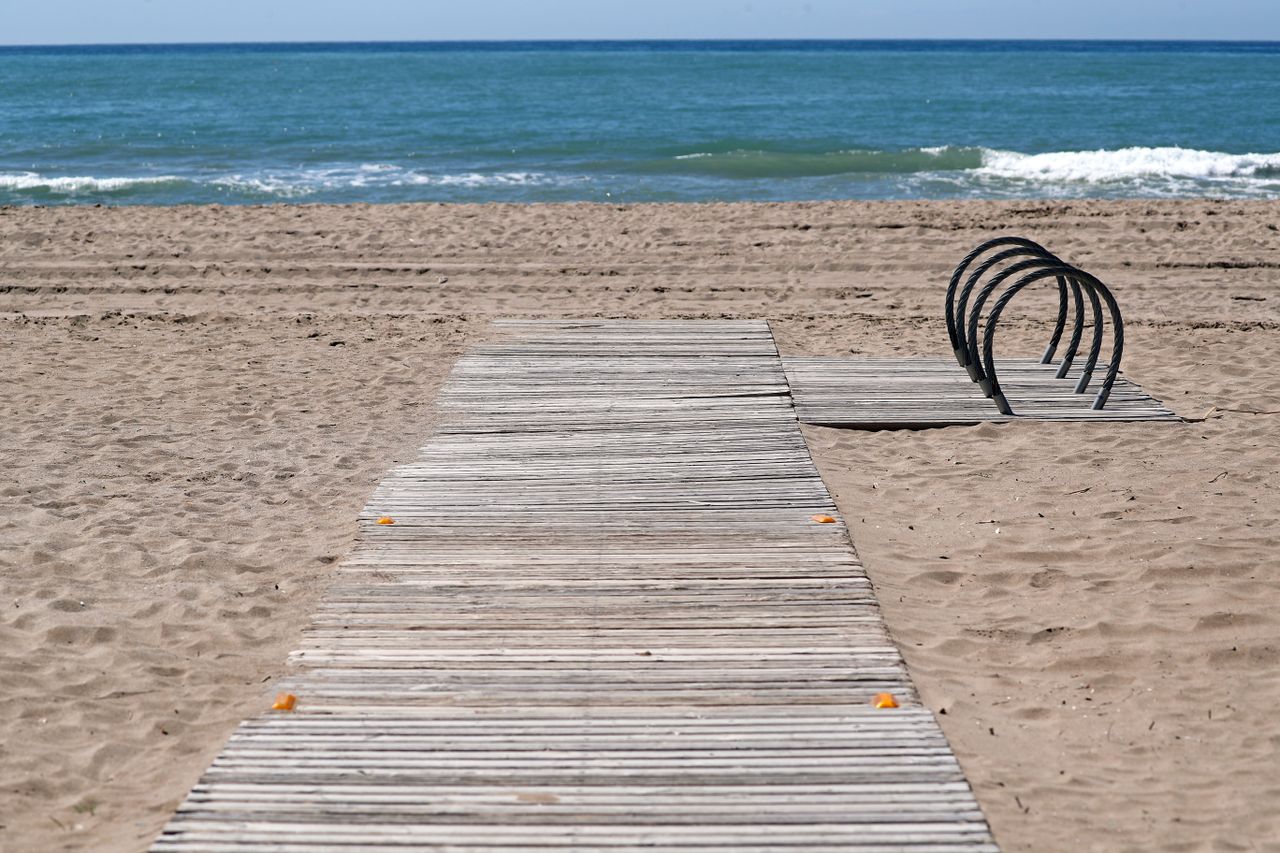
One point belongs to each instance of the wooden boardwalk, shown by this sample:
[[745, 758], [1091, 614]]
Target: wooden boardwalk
[[910, 393], [603, 619]]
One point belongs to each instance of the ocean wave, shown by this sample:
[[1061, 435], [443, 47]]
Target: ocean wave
[[1055, 167], [1129, 163], [77, 184], [305, 182], [746, 163], [266, 184], [699, 173], [477, 179]]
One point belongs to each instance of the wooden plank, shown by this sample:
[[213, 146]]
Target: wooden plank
[[603, 619], [913, 393]]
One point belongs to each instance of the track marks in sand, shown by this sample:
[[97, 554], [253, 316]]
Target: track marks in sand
[[557, 260], [121, 287]]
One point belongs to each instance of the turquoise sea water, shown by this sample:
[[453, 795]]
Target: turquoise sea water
[[622, 121]]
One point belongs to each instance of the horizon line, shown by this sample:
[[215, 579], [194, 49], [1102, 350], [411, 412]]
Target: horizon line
[[613, 40]]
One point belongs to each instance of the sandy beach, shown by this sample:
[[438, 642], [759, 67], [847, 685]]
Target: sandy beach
[[198, 400]]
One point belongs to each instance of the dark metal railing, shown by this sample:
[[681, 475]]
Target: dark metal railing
[[1018, 264]]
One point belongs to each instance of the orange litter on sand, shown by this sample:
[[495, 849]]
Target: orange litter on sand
[[284, 702], [884, 700], [386, 519], [822, 519]]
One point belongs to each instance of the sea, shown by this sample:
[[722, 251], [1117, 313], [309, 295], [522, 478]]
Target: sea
[[692, 121]]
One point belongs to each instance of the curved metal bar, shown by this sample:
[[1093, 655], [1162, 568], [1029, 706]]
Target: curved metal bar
[[1059, 324], [971, 363], [1074, 346], [1094, 348], [975, 366], [1092, 285], [953, 320], [1117, 343]]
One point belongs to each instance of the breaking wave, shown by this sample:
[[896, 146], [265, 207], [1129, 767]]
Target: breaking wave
[[711, 173], [79, 184], [364, 182], [1129, 163]]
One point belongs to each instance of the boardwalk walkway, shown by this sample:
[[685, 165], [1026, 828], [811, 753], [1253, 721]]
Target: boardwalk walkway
[[912, 393], [603, 619]]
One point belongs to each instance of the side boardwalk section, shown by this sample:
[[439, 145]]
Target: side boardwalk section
[[917, 393], [603, 619]]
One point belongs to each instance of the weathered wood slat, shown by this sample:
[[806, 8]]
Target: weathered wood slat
[[898, 393], [603, 619]]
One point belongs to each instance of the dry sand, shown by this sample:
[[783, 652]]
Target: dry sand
[[197, 401]]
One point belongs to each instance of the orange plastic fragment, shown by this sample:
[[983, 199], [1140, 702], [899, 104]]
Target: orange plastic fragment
[[822, 519], [884, 700], [284, 702], [386, 519]]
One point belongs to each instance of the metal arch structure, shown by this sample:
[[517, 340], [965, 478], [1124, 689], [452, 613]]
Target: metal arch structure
[[967, 342], [954, 316], [1077, 277], [955, 313], [1020, 263], [1095, 288]]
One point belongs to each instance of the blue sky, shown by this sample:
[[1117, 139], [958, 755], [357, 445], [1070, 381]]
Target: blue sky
[[113, 21]]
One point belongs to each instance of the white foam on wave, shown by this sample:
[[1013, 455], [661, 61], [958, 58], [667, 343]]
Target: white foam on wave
[[71, 184], [1131, 163], [277, 183], [295, 183], [503, 179], [268, 184], [303, 182]]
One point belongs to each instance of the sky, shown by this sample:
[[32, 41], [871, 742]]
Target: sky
[[149, 21]]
